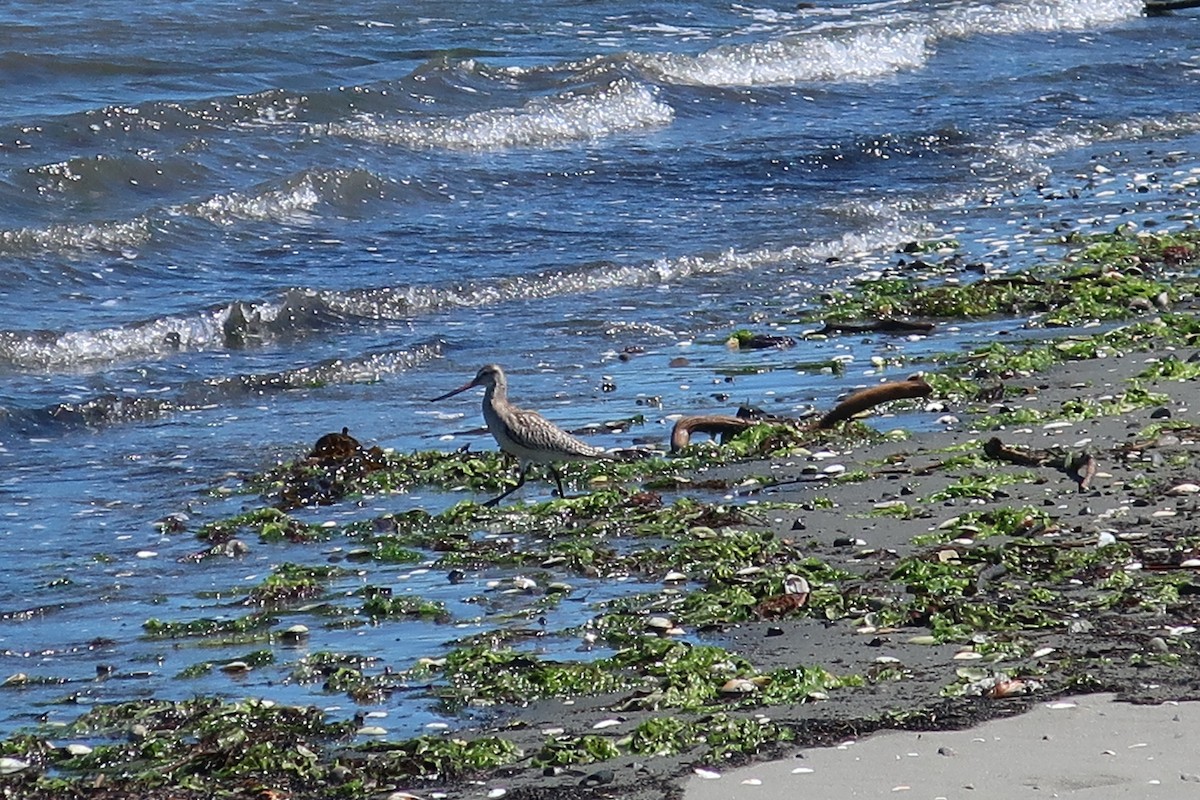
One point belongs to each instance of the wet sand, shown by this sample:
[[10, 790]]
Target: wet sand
[[1084, 747], [1101, 746]]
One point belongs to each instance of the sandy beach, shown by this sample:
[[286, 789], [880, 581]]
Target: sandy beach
[[1079, 747], [972, 722]]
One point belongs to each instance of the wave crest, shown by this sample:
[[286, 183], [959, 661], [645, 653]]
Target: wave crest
[[621, 107], [856, 55]]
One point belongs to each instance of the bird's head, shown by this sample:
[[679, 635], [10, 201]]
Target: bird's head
[[489, 375]]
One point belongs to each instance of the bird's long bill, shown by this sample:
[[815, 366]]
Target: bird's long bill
[[452, 392]]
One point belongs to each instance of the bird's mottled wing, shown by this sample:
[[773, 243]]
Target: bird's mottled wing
[[531, 431]]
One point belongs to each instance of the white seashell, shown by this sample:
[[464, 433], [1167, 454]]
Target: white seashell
[[752, 782], [1060, 705], [524, 584], [77, 749], [146, 554], [1191, 562], [706, 774], [659, 624], [1166, 512], [1105, 539], [10, 765], [834, 469], [553, 731], [946, 419], [886, 660], [674, 577], [371, 730], [802, 771], [606, 723], [497, 793], [1184, 488], [739, 686], [967, 655], [236, 667], [1042, 652], [922, 639]]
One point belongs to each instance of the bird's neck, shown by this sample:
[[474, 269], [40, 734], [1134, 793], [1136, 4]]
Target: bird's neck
[[495, 393]]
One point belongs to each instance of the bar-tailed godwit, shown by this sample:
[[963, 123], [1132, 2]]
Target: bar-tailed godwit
[[526, 434]]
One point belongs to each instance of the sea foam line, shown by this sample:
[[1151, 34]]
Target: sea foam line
[[621, 107], [882, 45]]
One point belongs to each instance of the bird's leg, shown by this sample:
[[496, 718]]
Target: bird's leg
[[557, 480], [511, 489]]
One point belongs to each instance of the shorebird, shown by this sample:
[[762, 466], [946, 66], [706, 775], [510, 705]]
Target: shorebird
[[526, 434]]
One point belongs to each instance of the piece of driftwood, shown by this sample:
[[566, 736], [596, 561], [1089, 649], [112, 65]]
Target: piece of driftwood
[[1163, 6], [995, 449], [885, 325], [1080, 466], [864, 399], [712, 424]]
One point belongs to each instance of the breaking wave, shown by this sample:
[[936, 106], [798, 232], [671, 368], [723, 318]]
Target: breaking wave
[[891, 42], [110, 409], [621, 107]]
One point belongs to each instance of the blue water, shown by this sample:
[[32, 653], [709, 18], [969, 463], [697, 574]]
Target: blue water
[[393, 194]]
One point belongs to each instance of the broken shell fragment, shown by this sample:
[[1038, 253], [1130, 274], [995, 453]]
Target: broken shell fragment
[[738, 686]]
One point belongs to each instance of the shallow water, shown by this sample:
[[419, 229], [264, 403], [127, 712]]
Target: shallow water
[[226, 230]]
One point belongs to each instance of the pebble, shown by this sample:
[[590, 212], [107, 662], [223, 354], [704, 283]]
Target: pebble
[[295, 633]]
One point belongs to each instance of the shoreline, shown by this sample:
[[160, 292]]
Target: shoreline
[[946, 588]]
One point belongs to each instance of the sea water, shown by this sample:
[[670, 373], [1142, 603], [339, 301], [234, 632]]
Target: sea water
[[229, 228]]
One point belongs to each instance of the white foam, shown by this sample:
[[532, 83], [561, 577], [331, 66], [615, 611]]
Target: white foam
[[79, 348], [623, 106], [292, 205], [115, 236], [404, 302], [855, 55], [964, 20]]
